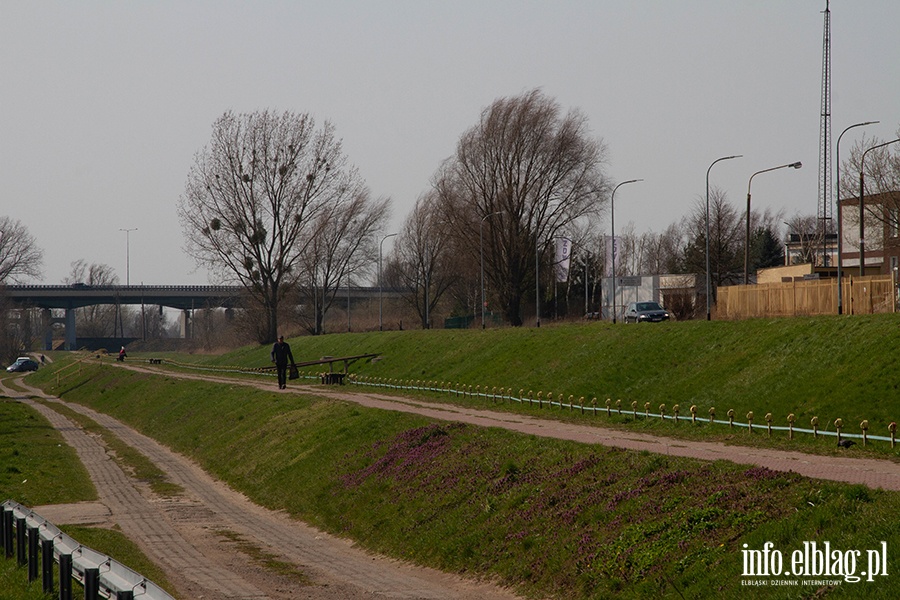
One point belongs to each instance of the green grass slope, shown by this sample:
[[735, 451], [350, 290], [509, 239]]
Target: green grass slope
[[38, 467], [553, 519], [825, 367]]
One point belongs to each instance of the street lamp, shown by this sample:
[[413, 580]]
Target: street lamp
[[481, 247], [128, 255], [840, 248], [612, 223], [793, 165], [380, 287], [862, 185], [708, 290]]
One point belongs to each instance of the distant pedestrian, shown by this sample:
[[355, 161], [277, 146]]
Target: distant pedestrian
[[281, 355], [42, 359], [122, 355]]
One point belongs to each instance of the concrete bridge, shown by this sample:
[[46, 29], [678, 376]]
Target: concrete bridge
[[185, 298]]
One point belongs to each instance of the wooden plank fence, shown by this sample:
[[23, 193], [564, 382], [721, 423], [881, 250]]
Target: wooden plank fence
[[861, 295]]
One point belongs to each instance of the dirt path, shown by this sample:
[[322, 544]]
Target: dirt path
[[184, 535], [192, 536], [874, 473]]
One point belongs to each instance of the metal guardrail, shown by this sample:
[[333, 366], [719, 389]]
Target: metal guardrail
[[590, 406], [100, 575]]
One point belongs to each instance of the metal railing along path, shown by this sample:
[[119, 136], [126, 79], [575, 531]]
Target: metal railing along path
[[27, 534]]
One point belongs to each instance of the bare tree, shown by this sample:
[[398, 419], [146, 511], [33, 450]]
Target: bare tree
[[20, 257], [17, 328], [539, 169], [150, 323], [421, 264], [254, 201], [664, 251], [881, 178], [96, 320], [726, 240], [344, 245], [95, 274], [805, 233]]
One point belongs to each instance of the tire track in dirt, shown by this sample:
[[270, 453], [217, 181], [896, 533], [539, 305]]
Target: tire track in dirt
[[341, 571], [871, 472], [184, 535]]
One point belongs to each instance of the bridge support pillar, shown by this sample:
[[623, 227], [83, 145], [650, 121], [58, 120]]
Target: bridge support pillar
[[187, 321], [47, 328], [71, 339]]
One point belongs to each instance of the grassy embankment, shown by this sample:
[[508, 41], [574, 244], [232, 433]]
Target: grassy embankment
[[811, 367], [552, 518], [37, 467]]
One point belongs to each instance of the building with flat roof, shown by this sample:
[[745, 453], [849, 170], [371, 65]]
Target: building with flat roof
[[881, 233]]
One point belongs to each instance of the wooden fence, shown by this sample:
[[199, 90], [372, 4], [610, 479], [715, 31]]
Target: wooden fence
[[861, 295]]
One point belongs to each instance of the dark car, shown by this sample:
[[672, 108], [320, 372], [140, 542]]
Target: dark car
[[22, 364], [646, 312]]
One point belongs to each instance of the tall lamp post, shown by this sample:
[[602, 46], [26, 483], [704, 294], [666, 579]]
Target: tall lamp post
[[128, 255], [793, 165], [481, 248], [380, 286], [840, 226], [862, 185], [708, 290], [612, 224]]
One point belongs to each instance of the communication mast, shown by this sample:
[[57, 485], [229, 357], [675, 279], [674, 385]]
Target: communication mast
[[824, 210]]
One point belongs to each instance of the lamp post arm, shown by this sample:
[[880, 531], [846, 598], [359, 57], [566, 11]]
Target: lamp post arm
[[612, 224], [840, 227], [708, 285], [862, 192], [793, 165], [380, 286]]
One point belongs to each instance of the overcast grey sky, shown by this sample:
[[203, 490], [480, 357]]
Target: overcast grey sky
[[103, 104]]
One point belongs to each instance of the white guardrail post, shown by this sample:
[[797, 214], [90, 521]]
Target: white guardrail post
[[101, 576]]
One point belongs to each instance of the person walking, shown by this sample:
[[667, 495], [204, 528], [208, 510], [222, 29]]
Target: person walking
[[281, 354]]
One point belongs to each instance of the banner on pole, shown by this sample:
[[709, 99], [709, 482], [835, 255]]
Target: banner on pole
[[563, 254]]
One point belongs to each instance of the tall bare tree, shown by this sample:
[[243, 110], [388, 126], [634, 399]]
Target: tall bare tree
[[344, 245], [539, 169], [254, 201], [97, 320], [20, 256], [422, 263], [726, 240], [20, 259], [664, 251], [881, 178]]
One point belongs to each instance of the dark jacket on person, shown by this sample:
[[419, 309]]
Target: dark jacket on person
[[281, 353]]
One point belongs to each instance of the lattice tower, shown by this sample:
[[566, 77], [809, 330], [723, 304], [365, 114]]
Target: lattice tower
[[824, 211]]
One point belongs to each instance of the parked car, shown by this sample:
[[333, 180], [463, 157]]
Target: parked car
[[22, 364], [646, 312]]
